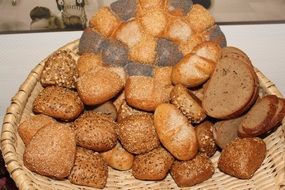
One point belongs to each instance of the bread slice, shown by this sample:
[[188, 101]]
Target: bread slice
[[226, 131], [259, 117], [230, 89], [279, 114]]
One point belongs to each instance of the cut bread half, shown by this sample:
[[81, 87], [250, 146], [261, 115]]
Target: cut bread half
[[231, 89]]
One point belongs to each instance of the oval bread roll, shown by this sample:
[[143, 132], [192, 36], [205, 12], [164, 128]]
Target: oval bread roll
[[175, 132]]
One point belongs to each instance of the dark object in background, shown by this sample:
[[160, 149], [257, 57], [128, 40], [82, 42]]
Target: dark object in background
[[39, 12], [204, 3], [6, 182], [72, 13]]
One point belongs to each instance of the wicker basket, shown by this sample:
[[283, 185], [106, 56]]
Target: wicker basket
[[271, 175]]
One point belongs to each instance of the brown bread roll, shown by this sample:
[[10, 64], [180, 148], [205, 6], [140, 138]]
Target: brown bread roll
[[153, 165], [89, 169], [87, 62], [175, 132], [188, 104], [191, 172], [51, 152], [109, 109], [206, 142], [118, 158], [137, 134], [242, 157], [99, 86], [28, 128], [60, 70], [58, 102], [95, 131]]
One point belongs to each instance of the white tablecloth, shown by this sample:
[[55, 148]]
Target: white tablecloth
[[19, 53]]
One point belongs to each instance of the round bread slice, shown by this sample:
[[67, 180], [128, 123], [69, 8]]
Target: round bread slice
[[279, 114], [230, 89], [260, 116]]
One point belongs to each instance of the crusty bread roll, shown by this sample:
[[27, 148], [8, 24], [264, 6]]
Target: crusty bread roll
[[28, 128], [95, 131], [108, 109], [88, 61], [105, 21], [118, 158], [206, 142], [232, 80], [153, 165], [137, 134], [89, 169], [60, 70], [192, 70], [99, 86], [208, 50], [51, 152], [242, 157], [191, 172], [175, 132], [189, 105], [58, 102]]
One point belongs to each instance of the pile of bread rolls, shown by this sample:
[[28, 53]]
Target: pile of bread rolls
[[153, 89]]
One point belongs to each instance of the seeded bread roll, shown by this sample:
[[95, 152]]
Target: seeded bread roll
[[51, 152], [28, 128], [95, 131], [89, 169], [189, 105], [99, 86], [232, 79], [259, 117], [118, 158], [60, 70], [58, 102], [242, 157], [137, 134], [206, 142], [175, 132], [191, 172], [153, 165], [226, 131]]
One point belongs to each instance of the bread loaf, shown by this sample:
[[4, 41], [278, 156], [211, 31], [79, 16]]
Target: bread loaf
[[175, 132]]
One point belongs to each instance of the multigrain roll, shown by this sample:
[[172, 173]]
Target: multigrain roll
[[51, 152], [89, 169], [58, 102], [242, 157], [60, 70], [153, 165], [191, 172], [175, 132], [28, 128], [95, 131], [137, 134]]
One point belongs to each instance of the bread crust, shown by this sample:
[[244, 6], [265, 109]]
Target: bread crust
[[175, 132]]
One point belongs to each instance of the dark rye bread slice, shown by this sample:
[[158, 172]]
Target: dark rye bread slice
[[230, 89], [259, 117], [226, 131], [235, 53], [279, 114]]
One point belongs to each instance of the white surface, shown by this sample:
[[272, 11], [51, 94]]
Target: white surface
[[19, 53]]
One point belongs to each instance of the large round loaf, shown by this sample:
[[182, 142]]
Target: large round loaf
[[175, 132]]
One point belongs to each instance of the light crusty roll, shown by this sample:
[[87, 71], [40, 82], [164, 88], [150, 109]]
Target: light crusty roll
[[175, 132], [118, 158], [192, 70], [242, 157]]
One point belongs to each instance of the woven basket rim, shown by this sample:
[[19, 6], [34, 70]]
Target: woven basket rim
[[18, 103]]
